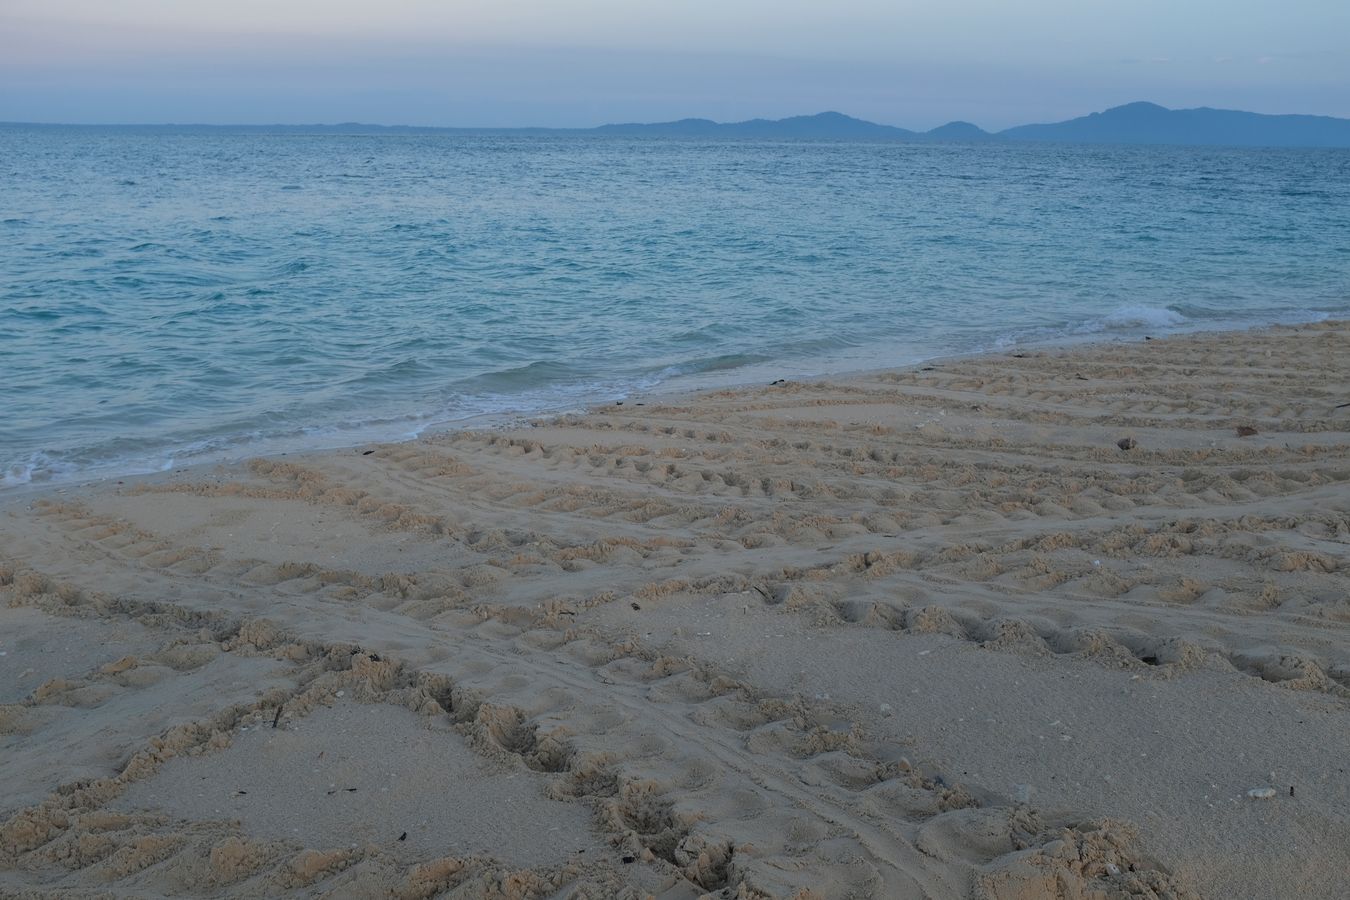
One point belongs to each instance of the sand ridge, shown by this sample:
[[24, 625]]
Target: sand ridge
[[742, 631]]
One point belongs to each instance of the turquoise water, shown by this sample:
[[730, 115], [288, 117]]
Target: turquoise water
[[173, 298]]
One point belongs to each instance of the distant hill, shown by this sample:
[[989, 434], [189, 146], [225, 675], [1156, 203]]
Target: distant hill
[[821, 125], [958, 131], [1134, 123], [1149, 123]]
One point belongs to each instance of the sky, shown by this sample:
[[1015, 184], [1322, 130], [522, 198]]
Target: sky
[[565, 63]]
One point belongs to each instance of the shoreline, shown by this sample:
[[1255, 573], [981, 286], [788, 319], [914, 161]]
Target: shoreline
[[658, 395], [1023, 624]]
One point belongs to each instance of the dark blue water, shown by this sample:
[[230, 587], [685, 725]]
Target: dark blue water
[[169, 298]]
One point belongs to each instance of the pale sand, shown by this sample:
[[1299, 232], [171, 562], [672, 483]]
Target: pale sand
[[922, 633]]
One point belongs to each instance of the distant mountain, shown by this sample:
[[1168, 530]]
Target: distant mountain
[[1149, 123], [1134, 123], [958, 131], [821, 125]]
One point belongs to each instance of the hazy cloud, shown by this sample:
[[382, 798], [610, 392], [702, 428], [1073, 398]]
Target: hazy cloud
[[516, 62]]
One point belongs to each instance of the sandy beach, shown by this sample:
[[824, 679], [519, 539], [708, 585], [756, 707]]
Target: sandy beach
[[1060, 623]]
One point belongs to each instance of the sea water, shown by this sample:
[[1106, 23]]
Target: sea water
[[174, 297]]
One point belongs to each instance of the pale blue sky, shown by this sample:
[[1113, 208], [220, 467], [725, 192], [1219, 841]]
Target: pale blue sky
[[915, 63]]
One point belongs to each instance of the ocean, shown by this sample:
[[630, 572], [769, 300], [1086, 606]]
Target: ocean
[[173, 298]]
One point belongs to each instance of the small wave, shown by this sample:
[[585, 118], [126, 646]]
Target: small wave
[[294, 267], [708, 364], [401, 372], [1140, 317], [825, 345], [1129, 319], [78, 253], [41, 315], [19, 474], [519, 378], [44, 468], [706, 334]]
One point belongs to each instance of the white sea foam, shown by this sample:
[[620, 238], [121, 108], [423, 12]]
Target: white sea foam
[[1141, 317], [17, 475]]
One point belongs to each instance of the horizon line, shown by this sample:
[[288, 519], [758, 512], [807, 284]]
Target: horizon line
[[632, 123]]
